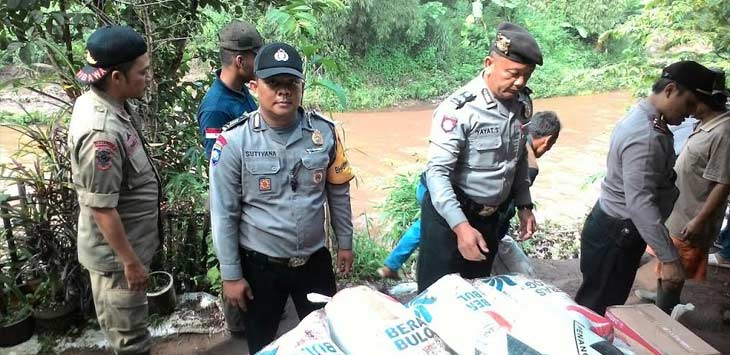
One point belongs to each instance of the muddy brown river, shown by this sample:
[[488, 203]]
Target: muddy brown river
[[384, 143]]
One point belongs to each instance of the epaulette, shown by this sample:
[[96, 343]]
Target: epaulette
[[100, 117], [660, 125], [236, 122], [318, 115], [527, 90], [461, 99]]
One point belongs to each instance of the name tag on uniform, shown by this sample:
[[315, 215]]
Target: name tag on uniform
[[487, 136]]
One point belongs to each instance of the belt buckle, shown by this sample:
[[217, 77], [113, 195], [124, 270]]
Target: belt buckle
[[298, 261], [487, 211]]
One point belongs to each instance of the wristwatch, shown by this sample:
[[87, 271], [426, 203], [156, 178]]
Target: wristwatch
[[528, 206]]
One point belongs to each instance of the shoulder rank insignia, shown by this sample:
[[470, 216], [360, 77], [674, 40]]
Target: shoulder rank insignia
[[236, 122], [660, 125], [461, 99], [318, 115]]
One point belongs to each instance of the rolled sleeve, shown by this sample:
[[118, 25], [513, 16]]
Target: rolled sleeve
[[641, 173], [338, 198], [225, 207], [100, 158], [444, 148]]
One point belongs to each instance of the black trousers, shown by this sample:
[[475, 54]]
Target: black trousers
[[439, 254], [610, 253], [273, 283]]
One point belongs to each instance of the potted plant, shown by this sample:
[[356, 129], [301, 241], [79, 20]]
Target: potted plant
[[16, 323], [44, 224], [161, 293]]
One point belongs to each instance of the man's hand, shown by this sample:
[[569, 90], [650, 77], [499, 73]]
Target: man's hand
[[236, 292], [692, 230], [672, 273], [470, 242], [136, 275], [528, 225], [344, 261]]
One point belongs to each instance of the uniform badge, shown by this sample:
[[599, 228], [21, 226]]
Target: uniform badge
[[317, 138], [281, 55], [104, 153], [527, 109], [502, 43], [318, 176], [215, 154], [448, 124], [212, 132], [264, 184]]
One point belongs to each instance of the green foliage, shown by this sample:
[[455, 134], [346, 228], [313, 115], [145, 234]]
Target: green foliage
[[400, 208], [369, 256]]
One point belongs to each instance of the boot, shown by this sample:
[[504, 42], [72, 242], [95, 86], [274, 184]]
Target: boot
[[667, 295]]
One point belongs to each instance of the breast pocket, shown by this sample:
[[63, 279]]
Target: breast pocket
[[141, 170], [485, 152], [315, 170], [261, 173]]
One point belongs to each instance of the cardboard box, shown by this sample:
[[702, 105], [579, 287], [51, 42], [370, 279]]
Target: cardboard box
[[649, 331]]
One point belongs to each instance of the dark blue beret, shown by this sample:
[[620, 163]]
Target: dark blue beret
[[516, 44], [109, 46]]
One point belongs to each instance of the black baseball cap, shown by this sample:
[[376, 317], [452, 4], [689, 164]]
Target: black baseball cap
[[278, 58], [239, 36], [692, 75], [109, 46], [516, 44]]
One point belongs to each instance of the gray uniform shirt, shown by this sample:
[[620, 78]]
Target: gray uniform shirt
[[639, 182], [478, 145], [269, 197]]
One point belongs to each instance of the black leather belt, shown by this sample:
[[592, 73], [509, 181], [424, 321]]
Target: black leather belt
[[263, 258], [473, 208]]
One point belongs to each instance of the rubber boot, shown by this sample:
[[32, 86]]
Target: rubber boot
[[667, 295]]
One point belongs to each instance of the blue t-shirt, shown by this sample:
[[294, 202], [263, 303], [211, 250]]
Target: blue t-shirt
[[220, 106]]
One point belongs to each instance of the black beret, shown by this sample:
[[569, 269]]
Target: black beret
[[692, 75], [278, 58], [109, 46], [516, 44]]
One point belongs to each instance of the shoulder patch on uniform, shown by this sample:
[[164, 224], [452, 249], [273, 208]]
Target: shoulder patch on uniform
[[103, 154], [215, 154], [461, 99], [448, 123], [236, 122]]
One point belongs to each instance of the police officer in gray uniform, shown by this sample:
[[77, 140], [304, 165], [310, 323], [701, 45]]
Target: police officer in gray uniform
[[477, 160], [638, 192], [271, 172]]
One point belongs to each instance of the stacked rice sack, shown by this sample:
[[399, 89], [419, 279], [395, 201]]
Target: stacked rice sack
[[368, 322], [528, 292], [476, 317], [465, 320], [312, 336]]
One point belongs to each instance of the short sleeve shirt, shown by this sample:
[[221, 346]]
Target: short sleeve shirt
[[702, 164], [111, 169], [220, 106]]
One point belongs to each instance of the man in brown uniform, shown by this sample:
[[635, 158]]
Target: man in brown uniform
[[117, 186]]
